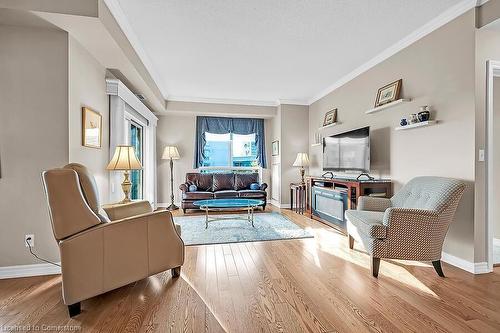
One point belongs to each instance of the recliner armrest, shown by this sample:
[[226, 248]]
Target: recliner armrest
[[263, 186], [121, 211], [373, 204]]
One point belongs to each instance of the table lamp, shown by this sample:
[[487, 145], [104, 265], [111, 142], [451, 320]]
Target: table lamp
[[301, 161], [125, 159], [171, 153]]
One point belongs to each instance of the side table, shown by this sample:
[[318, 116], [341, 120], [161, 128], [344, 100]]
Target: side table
[[298, 197]]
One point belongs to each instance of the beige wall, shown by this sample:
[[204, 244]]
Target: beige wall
[[33, 135], [275, 164], [179, 130], [442, 77], [294, 139], [87, 87]]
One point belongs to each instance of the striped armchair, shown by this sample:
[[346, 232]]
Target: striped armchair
[[411, 225]]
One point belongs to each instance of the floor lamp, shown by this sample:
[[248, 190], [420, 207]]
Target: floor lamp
[[171, 153]]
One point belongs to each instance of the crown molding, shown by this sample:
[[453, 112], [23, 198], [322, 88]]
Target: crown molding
[[423, 31], [293, 102], [120, 17], [221, 101]]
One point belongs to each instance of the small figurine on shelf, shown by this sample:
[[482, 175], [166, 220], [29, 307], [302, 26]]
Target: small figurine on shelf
[[403, 122], [413, 118]]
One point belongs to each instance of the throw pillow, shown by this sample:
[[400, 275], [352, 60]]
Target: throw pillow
[[254, 186], [193, 188]]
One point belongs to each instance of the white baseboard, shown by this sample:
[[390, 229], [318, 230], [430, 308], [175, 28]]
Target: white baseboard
[[277, 204], [471, 267], [18, 271]]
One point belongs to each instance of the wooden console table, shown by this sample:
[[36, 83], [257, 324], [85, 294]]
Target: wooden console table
[[354, 189], [298, 197]]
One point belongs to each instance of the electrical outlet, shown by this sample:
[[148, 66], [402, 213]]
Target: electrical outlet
[[31, 240]]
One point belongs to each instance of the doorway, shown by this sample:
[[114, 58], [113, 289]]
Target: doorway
[[493, 161], [136, 176]]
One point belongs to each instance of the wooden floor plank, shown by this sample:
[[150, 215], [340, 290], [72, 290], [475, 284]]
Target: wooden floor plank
[[301, 285]]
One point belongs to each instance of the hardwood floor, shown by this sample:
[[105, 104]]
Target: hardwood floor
[[307, 285]]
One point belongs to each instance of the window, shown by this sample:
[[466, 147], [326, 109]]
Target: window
[[230, 150], [136, 141]]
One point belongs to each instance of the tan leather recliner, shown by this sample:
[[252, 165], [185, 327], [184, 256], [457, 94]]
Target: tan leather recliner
[[98, 255]]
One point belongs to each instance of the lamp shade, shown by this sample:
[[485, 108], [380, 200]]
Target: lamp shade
[[302, 160], [170, 153], [124, 159]]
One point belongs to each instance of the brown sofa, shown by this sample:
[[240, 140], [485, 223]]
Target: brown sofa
[[221, 186]]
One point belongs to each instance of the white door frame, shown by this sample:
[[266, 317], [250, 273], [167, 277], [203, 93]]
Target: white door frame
[[492, 70]]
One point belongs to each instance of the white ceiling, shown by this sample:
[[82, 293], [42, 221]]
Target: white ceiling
[[262, 51]]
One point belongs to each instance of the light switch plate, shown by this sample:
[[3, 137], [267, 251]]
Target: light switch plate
[[481, 155]]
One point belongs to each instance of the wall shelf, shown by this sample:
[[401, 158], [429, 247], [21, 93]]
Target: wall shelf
[[416, 125], [316, 144], [331, 125], [388, 105]]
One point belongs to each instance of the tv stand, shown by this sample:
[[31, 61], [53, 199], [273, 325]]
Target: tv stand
[[352, 189], [366, 175]]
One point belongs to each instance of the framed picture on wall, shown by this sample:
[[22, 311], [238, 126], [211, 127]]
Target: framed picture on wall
[[389, 93], [276, 148], [330, 117], [91, 128]]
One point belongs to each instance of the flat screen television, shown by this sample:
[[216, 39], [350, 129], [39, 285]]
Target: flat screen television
[[348, 151]]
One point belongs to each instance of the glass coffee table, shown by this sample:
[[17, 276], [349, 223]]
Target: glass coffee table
[[228, 204]]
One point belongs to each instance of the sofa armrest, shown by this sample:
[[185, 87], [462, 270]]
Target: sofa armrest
[[373, 203], [184, 188], [396, 217], [121, 211], [111, 255], [263, 186]]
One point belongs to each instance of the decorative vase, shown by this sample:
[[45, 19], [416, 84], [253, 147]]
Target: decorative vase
[[424, 114]]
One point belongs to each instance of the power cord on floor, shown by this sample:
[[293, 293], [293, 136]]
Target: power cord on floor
[[34, 254]]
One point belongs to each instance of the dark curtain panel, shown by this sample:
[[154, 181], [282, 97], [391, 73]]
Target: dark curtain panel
[[221, 125]]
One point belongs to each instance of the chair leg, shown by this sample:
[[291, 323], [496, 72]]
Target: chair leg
[[438, 268], [184, 210], [74, 309], [351, 241], [176, 272], [374, 265]]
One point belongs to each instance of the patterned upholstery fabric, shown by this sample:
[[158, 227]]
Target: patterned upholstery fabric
[[415, 225], [430, 193], [374, 204], [368, 223]]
